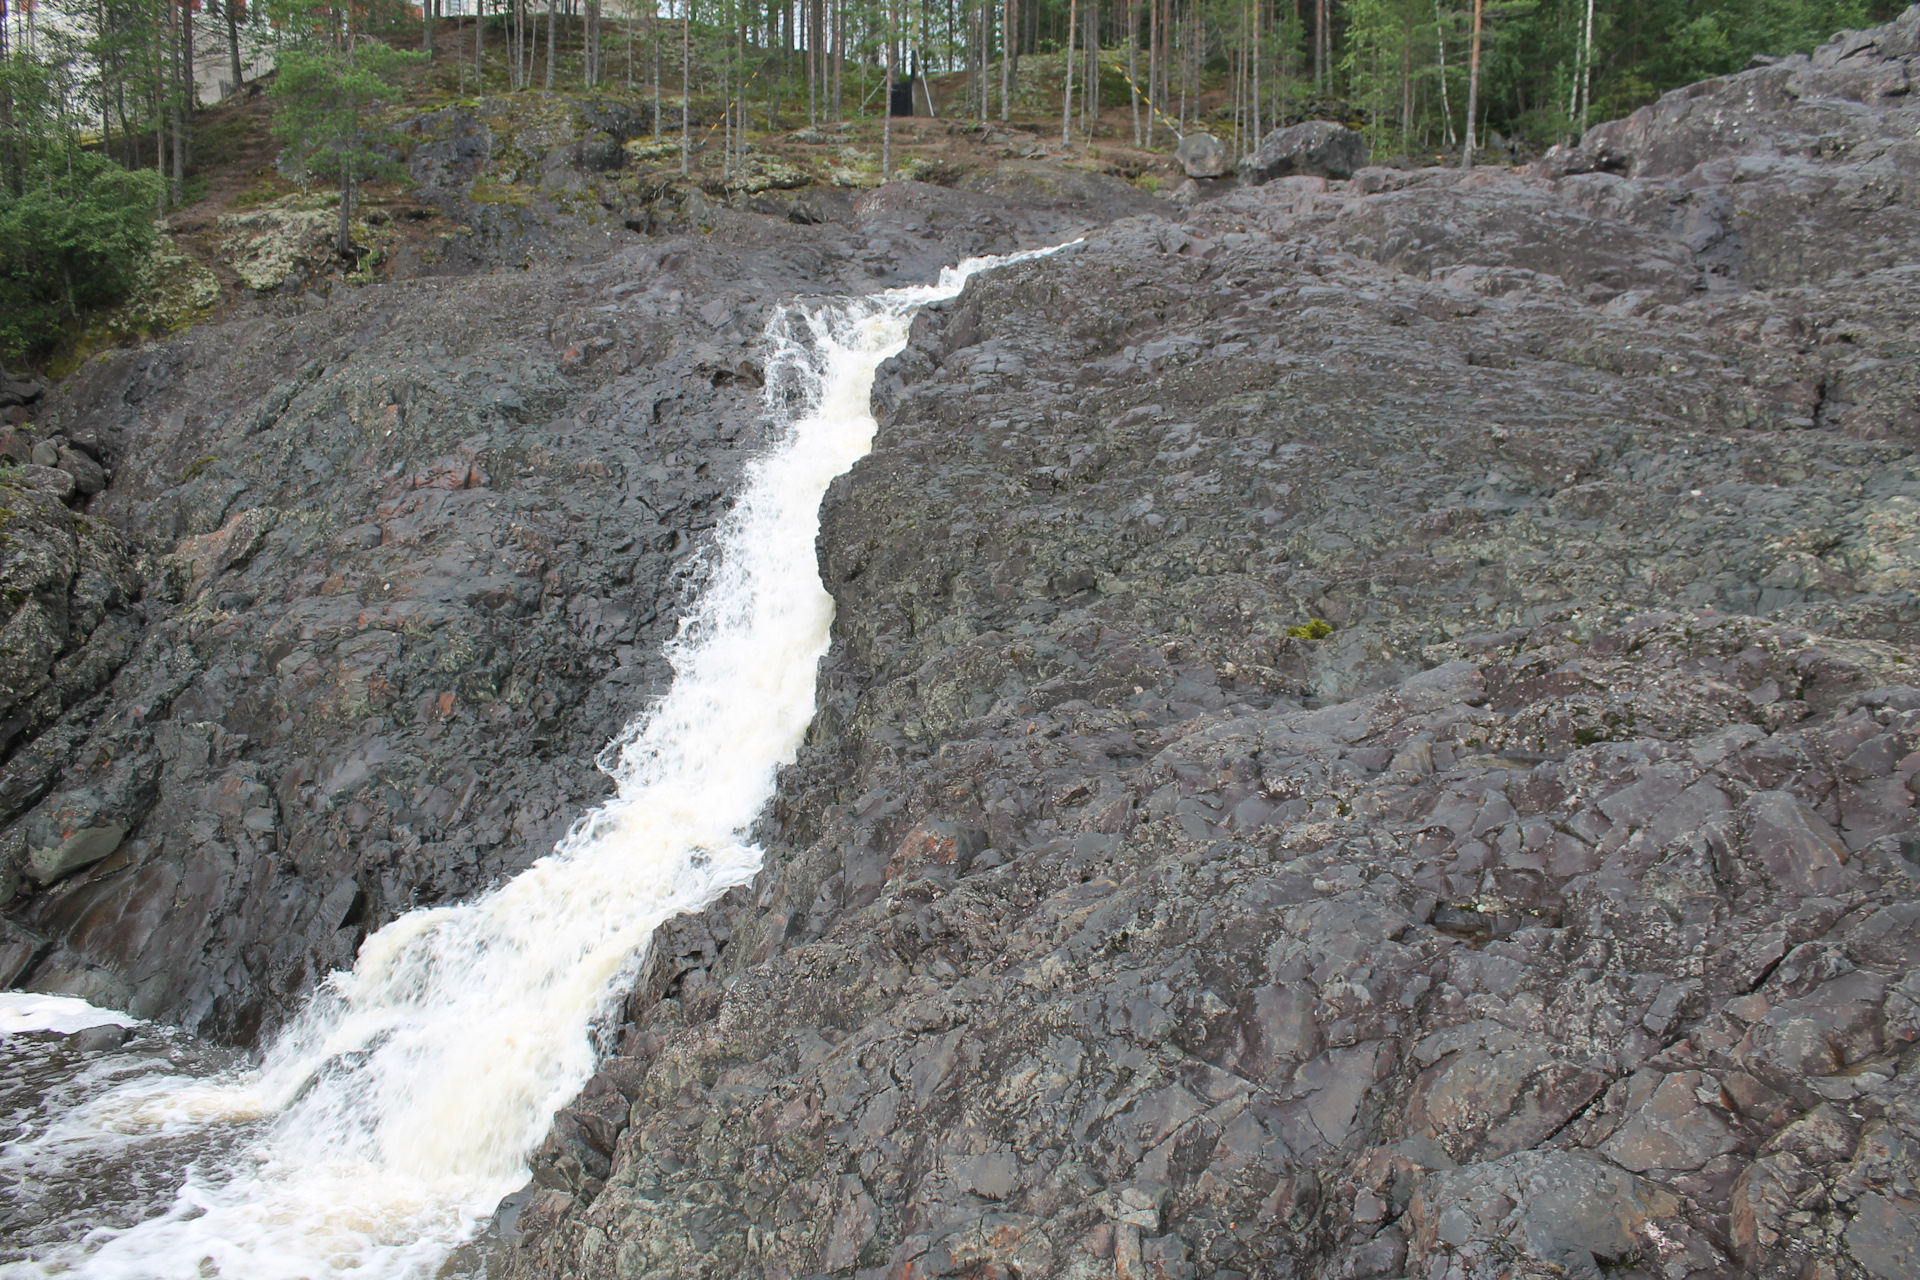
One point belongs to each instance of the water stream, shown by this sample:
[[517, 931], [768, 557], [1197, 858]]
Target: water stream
[[380, 1129]]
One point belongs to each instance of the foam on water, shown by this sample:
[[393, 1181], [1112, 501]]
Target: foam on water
[[387, 1121], [23, 1011]]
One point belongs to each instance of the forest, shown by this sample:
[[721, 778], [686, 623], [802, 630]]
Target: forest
[[99, 98]]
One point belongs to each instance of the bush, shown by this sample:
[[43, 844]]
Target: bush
[[73, 239]]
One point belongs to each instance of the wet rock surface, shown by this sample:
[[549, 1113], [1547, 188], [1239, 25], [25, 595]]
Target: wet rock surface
[[1372, 732], [324, 613]]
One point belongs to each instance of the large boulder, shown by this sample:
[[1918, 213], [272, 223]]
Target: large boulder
[[1202, 156], [1316, 149]]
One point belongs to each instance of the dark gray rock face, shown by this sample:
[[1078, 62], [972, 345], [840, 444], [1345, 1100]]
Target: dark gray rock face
[[374, 580], [17, 391], [1316, 149], [1547, 909]]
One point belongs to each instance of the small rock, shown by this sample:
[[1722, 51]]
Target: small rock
[[89, 477], [99, 1039], [1138, 1204]]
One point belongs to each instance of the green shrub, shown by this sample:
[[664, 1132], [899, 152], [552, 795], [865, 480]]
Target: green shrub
[[74, 238]]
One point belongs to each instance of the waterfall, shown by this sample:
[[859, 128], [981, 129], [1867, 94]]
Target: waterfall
[[396, 1110]]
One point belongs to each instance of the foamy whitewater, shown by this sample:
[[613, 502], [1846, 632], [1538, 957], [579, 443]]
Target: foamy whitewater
[[400, 1106], [22, 1011]]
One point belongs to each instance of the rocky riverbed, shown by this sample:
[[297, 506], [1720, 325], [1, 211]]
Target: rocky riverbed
[[1371, 732]]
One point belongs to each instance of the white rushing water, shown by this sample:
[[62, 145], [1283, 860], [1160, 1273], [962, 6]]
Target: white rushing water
[[394, 1113]]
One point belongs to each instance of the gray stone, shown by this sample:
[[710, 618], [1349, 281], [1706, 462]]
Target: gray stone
[[70, 848], [1884, 1236], [1315, 149], [1202, 156], [1559, 1210], [88, 476], [1795, 847], [48, 480]]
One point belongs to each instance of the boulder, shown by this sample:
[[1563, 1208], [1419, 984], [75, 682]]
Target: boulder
[[78, 827], [88, 476], [48, 480], [1316, 149], [599, 152], [15, 391], [1202, 155]]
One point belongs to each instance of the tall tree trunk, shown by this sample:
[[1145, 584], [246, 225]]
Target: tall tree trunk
[[886, 98], [1153, 66], [231, 8], [10, 169], [1259, 105], [1066, 92], [106, 68], [1406, 80], [1319, 44], [190, 97], [987, 10], [1133, 64], [162, 94], [344, 241], [1177, 40], [686, 86], [1586, 69], [1473, 89], [594, 70], [1009, 41], [173, 106], [1090, 92]]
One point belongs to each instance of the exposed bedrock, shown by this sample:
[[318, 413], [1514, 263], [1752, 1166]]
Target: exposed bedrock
[[1371, 732], [374, 581]]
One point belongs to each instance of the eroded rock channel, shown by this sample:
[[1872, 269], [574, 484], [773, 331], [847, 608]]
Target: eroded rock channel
[[1370, 732]]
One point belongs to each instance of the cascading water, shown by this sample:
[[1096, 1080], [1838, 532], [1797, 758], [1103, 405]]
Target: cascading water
[[394, 1113]]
